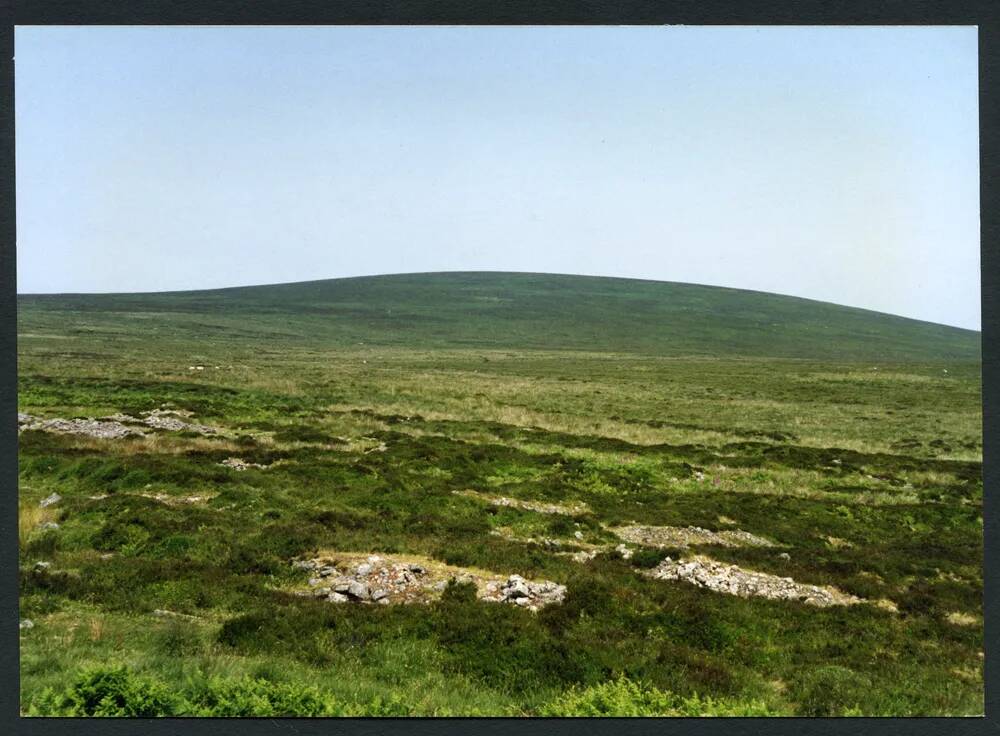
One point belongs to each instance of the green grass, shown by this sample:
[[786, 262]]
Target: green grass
[[375, 399]]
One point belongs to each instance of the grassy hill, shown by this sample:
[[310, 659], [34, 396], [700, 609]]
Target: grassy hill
[[514, 310]]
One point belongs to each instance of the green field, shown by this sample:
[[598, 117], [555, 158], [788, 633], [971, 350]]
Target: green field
[[388, 411]]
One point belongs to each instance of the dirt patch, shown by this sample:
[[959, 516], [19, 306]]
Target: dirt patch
[[177, 500], [542, 507], [676, 536], [734, 580], [391, 579], [962, 619]]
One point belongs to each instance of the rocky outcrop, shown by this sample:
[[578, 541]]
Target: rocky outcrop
[[540, 507]]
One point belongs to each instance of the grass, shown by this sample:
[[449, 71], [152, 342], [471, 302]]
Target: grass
[[628, 402]]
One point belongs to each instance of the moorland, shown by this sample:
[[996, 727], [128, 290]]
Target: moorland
[[718, 502]]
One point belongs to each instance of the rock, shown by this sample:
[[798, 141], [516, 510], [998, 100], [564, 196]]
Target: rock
[[26, 623], [314, 581], [578, 534], [327, 571], [624, 551], [342, 586], [784, 556], [379, 594], [41, 565], [321, 592], [48, 525], [50, 500], [418, 569], [358, 590], [364, 569], [338, 598], [304, 564]]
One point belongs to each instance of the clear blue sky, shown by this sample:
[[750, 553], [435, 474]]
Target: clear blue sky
[[833, 163]]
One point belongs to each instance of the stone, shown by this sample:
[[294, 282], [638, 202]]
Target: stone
[[50, 500], [338, 598], [26, 623], [48, 525], [358, 590], [364, 569], [379, 594], [42, 565], [342, 586], [321, 592], [327, 571]]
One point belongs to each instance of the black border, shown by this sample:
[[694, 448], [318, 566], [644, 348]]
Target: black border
[[982, 13]]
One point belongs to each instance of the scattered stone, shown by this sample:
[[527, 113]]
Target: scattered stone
[[734, 580], [26, 623], [304, 564], [239, 465], [163, 613], [169, 500], [50, 500], [167, 419], [674, 536], [538, 506]]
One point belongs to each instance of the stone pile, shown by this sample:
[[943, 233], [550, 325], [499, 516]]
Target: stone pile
[[239, 464], [100, 429], [115, 426], [376, 580], [734, 580], [521, 592], [675, 536]]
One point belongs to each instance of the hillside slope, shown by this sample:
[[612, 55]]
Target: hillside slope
[[508, 311]]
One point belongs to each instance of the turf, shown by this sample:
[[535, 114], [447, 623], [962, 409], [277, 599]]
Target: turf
[[851, 438]]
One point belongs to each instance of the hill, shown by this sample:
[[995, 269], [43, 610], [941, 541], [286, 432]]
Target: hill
[[515, 310]]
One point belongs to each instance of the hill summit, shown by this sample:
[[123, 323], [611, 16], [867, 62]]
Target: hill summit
[[492, 310]]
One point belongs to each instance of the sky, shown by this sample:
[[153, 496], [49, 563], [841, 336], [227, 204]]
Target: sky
[[837, 163]]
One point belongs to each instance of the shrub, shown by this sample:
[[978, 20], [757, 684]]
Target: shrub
[[115, 691], [832, 691], [250, 697], [622, 697]]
